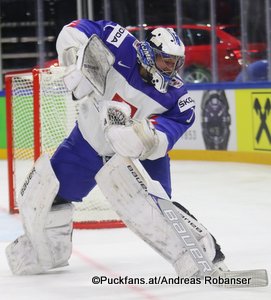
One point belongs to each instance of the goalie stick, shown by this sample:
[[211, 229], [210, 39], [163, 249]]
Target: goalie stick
[[243, 278], [157, 195]]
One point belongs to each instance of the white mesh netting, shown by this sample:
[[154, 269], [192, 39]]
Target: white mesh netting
[[57, 115]]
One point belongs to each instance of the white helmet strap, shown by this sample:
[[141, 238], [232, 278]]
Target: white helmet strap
[[159, 82]]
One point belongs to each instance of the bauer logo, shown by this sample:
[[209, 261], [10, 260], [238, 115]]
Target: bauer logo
[[117, 36], [187, 239], [137, 178], [25, 185], [185, 102], [261, 121]]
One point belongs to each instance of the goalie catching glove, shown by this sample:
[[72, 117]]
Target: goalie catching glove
[[137, 140], [126, 136]]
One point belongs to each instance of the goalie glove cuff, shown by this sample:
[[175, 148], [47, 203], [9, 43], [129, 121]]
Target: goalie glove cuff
[[147, 135], [162, 146], [138, 139], [77, 83]]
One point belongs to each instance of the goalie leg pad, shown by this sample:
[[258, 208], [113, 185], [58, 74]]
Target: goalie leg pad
[[205, 239], [23, 258], [35, 201], [37, 195], [200, 232], [41, 227], [127, 190], [59, 229]]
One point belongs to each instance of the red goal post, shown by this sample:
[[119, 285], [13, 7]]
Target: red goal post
[[40, 114]]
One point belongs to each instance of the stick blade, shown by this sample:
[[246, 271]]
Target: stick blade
[[245, 278]]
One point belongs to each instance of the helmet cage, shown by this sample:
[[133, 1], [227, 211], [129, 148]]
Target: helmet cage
[[161, 77], [169, 64]]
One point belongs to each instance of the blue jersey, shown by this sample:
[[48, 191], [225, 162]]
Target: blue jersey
[[172, 113]]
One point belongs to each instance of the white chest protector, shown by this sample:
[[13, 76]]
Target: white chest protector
[[117, 89]]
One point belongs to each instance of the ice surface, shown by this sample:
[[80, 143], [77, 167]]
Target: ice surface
[[232, 200]]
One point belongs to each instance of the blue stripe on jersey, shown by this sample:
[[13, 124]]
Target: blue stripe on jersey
[[173, 122]]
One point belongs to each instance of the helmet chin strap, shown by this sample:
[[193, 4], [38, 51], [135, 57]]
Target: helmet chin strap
[[154, 79], [159, 82]]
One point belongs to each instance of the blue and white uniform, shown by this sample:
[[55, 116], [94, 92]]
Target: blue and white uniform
[[80, 156]]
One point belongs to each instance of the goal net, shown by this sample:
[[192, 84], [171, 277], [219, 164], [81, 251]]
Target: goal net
[[40, 114]]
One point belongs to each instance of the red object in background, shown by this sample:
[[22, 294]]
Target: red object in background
[[198, 51], [197, 40], [255, 51], [50, 63]]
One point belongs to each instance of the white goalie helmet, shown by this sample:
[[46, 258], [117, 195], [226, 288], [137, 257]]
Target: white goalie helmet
[[162, 55]]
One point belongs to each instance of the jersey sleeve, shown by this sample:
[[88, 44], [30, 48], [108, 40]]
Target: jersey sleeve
[[77, 33], [176, 121]]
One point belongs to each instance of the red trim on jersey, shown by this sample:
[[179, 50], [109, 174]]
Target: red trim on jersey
[[73, 23], [118, 98], [153, 120]]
